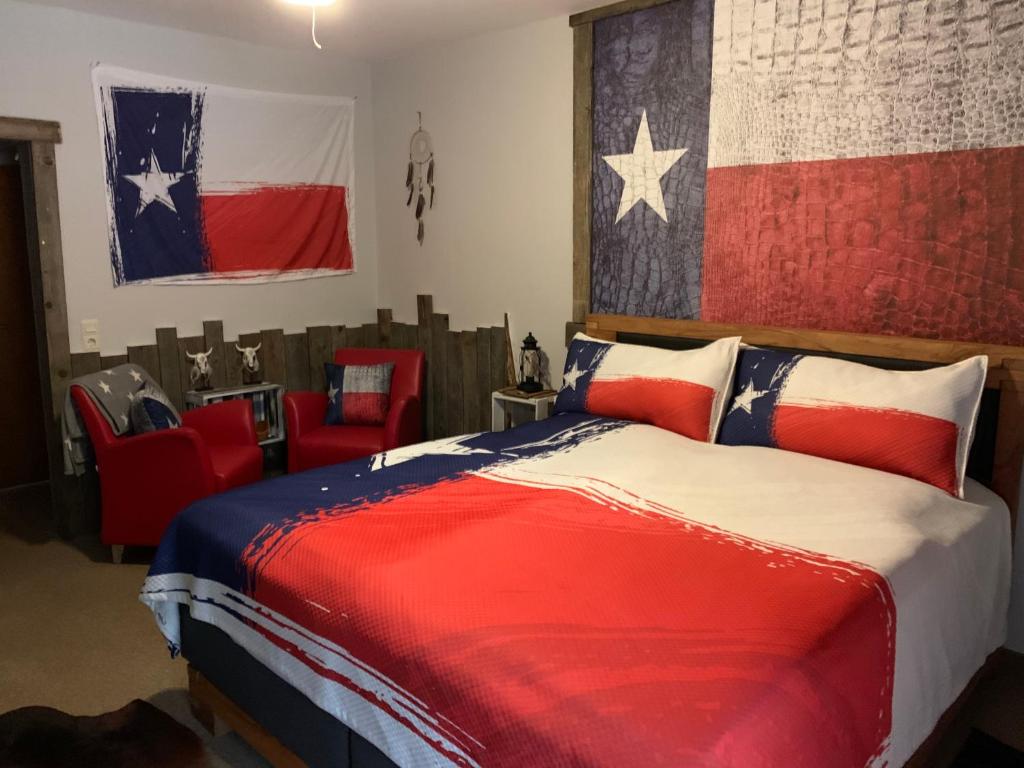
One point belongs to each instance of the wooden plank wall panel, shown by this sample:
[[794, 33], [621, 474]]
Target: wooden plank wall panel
[[470, 391], [272, 357], [188, 344], [439, 358], [232, 370], [235, 360], [213, 332], [170, 373], [384, 331], [321, 350], [424, 313], [109, 361], [83, 363], [453, 384], [483, 377], [339, 339], [462, 367], [296, 355], [147, 358]]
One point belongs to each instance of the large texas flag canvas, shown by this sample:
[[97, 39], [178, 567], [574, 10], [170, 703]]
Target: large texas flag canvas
[[207, 182], [824, 164]]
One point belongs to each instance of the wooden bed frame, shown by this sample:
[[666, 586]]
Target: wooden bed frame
[[1005, 375]]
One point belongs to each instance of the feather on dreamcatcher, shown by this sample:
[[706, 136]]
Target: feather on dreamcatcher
[[419, 179]]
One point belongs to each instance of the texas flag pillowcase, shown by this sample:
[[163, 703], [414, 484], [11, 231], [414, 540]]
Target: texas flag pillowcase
[[914, 423], [681, 391], [358, 394]]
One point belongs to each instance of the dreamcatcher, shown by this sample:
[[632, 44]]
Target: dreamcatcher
[[420, 174]]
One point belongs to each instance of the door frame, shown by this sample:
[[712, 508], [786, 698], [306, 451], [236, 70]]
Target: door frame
[[35, 141]]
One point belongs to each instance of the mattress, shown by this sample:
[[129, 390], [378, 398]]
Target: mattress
[[585, 591]]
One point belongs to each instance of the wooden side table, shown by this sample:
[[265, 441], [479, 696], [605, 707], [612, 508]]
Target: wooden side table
[[510, 407]]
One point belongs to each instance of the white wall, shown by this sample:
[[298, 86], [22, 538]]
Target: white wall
[[45, 58], [499, 238]]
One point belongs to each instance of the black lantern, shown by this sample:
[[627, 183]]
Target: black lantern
[[529, 365]]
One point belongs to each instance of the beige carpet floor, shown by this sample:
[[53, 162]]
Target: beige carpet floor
[[73, 634]]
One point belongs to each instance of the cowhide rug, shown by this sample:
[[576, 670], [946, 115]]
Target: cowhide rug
[[138, 736]]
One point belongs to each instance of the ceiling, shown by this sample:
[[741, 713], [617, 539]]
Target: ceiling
[[361, 29]]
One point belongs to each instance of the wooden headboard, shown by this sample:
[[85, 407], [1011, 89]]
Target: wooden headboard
[[1005, 370]]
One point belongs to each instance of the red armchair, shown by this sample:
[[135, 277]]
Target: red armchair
[[312, 444], [145, 480]]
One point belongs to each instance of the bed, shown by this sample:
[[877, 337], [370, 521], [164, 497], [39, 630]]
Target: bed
[[588, 591]]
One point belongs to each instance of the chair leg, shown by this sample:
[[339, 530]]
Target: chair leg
[[117, 552]]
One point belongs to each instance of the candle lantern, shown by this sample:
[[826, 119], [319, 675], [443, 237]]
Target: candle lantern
[[529, 365]]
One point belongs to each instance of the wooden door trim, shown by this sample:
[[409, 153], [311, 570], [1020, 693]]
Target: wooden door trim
[[36, 140]]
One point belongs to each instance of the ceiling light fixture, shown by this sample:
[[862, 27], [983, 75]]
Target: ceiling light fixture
[[312, 5]]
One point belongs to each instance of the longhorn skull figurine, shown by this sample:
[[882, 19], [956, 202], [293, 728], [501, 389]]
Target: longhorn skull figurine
[[200, 373], [250, 364]]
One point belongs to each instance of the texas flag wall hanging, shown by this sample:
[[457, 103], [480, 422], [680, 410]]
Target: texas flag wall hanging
[[819, 164], [211, 183]]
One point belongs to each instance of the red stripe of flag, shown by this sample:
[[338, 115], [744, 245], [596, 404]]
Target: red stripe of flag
[[559, 631], [915, 245], [679, 406], [277, 228], [911, 444]]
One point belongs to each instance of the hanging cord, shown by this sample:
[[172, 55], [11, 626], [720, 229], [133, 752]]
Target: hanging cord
[[319, 47]]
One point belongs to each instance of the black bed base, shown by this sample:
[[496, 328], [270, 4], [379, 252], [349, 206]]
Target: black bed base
[[312, 734]]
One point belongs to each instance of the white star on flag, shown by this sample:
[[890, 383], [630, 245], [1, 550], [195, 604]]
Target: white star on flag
[[572, 376], [154, 185], [105, 387], [332, 393], [642, 171], [746, 398]]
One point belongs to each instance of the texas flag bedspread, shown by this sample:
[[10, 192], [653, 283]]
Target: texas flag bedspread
[[591, 592]]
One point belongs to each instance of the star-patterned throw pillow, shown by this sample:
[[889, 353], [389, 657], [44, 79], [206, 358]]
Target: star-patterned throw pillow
[[683, 391], [151, 410], [358, 394], [914, 423]]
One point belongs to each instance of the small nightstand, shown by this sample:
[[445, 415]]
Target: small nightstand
[[510, 407]]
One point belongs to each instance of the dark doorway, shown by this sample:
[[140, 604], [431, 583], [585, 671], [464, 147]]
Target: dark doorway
[[23, 458]]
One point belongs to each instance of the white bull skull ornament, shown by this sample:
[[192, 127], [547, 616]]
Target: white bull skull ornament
[[200, 373], [250, 363]]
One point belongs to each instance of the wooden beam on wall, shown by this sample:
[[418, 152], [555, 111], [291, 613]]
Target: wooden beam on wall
[[439, 375], [321, 350], [582, 148], [170, 365], [147, 358], [84, 363], [470, 390], [615, 9], [188, 344], [483, 377], [272, 356], [213, 333], [296, 353], [453, 385], [23, 129]]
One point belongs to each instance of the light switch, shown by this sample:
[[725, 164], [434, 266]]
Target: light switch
[[91, 335]]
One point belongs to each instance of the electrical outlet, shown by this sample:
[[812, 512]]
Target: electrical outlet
[[91, 335]]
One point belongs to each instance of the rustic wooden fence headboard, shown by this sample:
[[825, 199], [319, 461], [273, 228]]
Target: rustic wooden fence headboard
[[1005, 372]]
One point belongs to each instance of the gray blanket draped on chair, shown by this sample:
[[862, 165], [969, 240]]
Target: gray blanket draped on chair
[[113, 390]]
